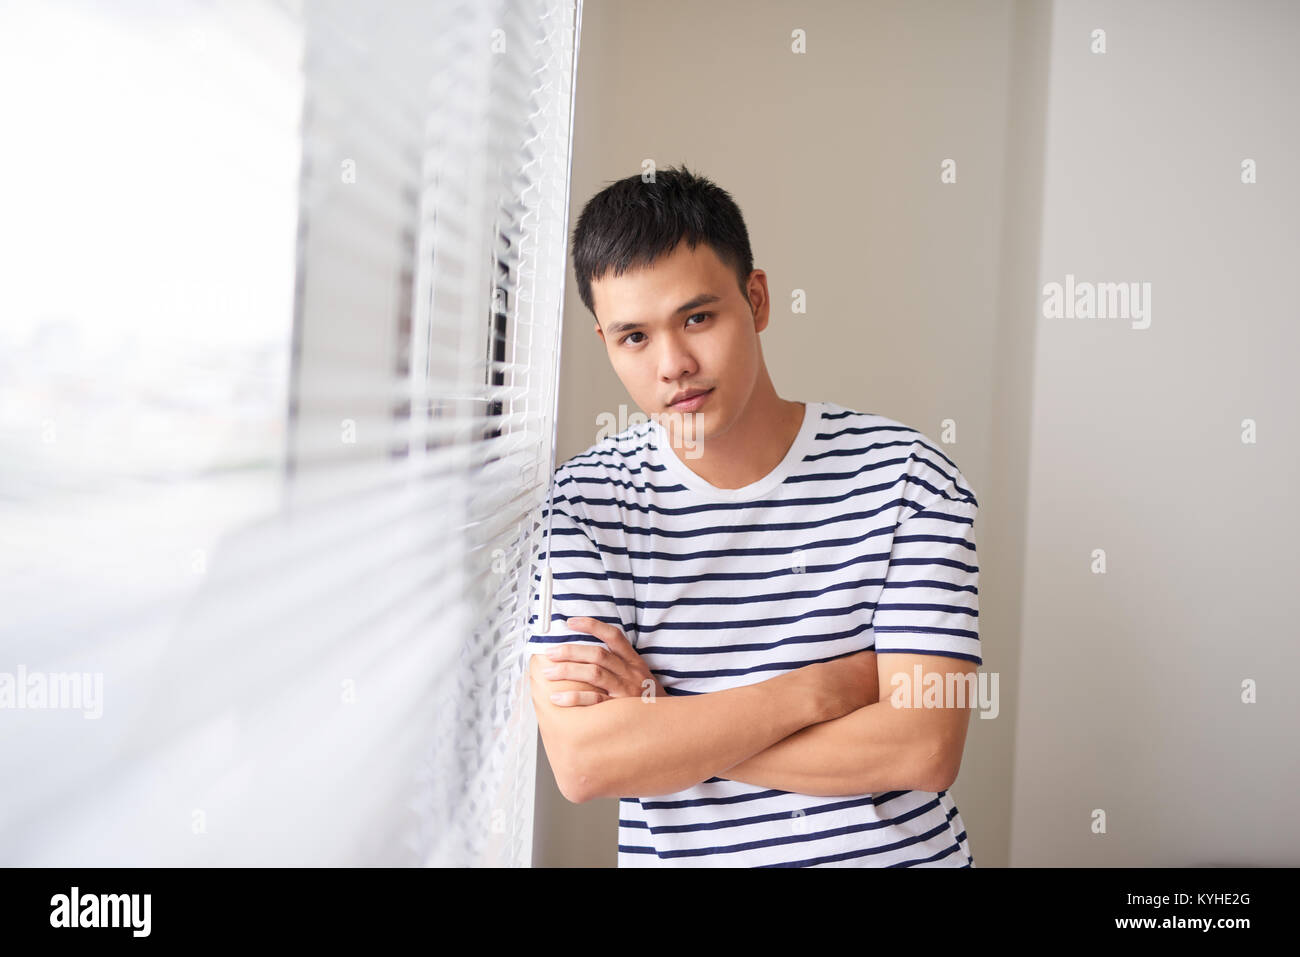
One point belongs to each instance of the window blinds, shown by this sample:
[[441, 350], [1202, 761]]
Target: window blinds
[[277, 398]]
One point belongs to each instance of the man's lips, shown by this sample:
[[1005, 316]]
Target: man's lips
[[690, 400]]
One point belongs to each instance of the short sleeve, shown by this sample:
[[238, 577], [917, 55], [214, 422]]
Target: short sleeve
[[930, 600], [580, 585]]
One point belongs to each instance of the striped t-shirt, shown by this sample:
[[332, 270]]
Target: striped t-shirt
[[862, 537]]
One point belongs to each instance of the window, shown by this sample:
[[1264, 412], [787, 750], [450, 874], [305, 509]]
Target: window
[[277, 392]]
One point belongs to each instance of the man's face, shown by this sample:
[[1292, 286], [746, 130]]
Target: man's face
[[683, 324]]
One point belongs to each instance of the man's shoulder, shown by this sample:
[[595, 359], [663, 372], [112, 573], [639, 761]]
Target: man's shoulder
[[615, 457], [914, 452], [847, 426]]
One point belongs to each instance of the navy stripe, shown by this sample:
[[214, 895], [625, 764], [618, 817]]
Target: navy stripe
[[610, 549], [864, 852], [656, 804], [801, 838], [930, 651], [784, 503]]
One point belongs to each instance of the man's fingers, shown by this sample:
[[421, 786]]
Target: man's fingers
[[569, 699], [607, 633], [592, 654], [593, 675]]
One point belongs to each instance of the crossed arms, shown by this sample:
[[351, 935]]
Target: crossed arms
[[823, 729]]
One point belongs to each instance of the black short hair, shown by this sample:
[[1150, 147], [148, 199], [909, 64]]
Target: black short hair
[[629, 224]]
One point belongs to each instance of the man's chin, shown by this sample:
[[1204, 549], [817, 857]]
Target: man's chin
[[685, 429]]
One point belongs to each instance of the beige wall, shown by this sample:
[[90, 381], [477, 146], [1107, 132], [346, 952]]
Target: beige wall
[[1131, 681], [923, 305]]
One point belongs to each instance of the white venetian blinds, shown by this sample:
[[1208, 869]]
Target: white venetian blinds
[[277, 390]]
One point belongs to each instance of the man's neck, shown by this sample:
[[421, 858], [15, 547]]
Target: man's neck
[[754, 445]]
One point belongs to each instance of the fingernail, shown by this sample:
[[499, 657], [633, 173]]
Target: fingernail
[[556, 696], [548, 672], [552, 652]]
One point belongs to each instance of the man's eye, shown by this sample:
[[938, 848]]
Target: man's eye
[[698, 315]]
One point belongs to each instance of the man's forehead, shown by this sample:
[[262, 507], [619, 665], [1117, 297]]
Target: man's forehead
[[667, 286]]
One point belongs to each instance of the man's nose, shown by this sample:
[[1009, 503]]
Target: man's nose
[[675, 362]]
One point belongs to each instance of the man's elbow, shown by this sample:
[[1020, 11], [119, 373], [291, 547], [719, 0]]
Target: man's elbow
[[942, 751], [941, 779], [573, 772], [571, 794], [576, 785], [942, 769]]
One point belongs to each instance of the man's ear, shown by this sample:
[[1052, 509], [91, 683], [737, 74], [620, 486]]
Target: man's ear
[[756, 295], [599, 333]]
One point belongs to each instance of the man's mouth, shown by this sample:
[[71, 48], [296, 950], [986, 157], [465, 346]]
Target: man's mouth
[[691, 401]]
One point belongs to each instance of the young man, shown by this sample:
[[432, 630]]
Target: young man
[[737, 584]]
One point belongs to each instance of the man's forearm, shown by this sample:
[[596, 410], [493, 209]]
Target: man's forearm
[[630, 747], [876, 748]]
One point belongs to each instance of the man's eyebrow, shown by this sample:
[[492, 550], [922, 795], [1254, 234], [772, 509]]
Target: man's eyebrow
[[701, 300]]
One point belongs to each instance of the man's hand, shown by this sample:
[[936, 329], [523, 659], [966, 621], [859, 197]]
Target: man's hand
[[615, 671]]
